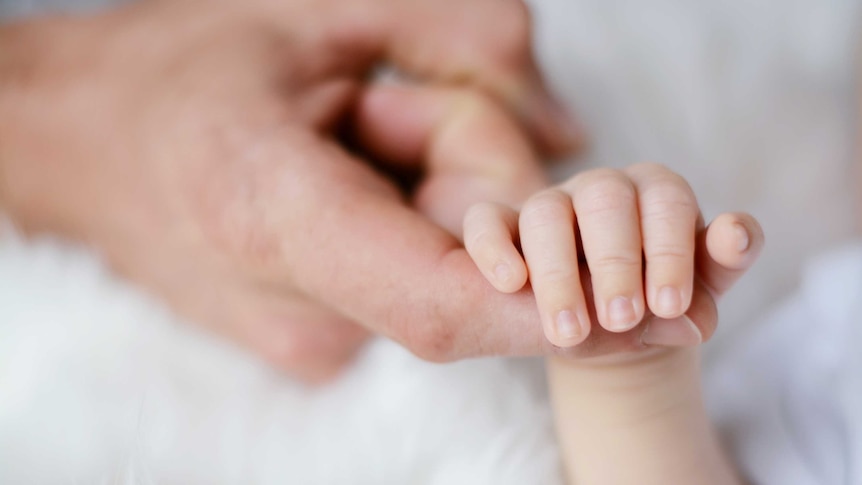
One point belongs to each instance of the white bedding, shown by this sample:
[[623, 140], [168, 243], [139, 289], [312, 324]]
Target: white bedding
[[99, 385], [788, 398], [752, 100]]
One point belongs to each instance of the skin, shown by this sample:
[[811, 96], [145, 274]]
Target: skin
[[643, 409], [240, 166], [635, 229], [642, 421], [202, 148], [646, 409]]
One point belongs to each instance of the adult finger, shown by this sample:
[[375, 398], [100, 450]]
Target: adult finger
[[292, 333], [488, 43], [313, 349], [480, 43], [469, 148], [320, 221]]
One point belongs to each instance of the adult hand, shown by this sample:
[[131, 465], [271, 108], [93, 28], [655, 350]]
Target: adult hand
[[199, 145]]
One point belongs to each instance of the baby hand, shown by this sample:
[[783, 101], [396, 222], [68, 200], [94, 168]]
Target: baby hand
[[637, 230]]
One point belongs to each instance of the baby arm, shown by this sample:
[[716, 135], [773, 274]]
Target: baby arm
[[640, 418], [639, 421], [637, 417]]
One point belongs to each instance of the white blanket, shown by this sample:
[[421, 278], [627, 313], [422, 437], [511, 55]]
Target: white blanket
[[788, 397], [104, 386], [100, 385]]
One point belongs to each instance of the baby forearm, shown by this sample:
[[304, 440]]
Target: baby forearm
[[637, 420]]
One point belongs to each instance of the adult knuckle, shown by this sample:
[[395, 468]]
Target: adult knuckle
[[420, 326], [234, 219], [439, 329], [431, 341]]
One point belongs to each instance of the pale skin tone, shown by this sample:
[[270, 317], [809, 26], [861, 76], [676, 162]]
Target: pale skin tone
[[233, 159], [633, 417], [200, 147]]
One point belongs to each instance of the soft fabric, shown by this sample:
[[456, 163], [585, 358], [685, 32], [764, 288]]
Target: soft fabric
[[788, 398], [98, 384], [102, 384]]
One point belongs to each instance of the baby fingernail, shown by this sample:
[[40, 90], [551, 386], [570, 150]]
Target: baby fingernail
[[669, 301], [676, 332], [568, 326], [621, 314], [742, 239]]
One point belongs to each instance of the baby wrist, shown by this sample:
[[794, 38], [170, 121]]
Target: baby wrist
[[621, 390]]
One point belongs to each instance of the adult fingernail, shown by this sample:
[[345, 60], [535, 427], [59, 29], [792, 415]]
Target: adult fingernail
[[669, 301], [742, 239], [621, 314], [675, 332], [569, 327]]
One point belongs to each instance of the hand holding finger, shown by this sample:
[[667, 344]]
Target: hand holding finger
[[467, 148]]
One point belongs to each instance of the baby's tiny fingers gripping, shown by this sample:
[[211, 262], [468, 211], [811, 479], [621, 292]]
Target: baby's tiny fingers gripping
[[606, 206], [547, 228], [669, 213], [725, 251], [490, 235]]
